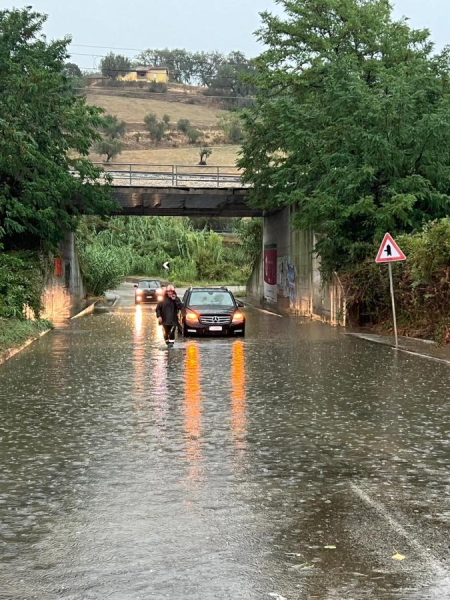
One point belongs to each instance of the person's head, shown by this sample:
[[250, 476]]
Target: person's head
[[170, 291]]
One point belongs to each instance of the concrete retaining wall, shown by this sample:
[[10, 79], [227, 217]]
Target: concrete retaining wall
[[64, 293], [287, 276]]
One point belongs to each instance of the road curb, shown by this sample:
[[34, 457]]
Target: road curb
[[86, 311], [15, 351]]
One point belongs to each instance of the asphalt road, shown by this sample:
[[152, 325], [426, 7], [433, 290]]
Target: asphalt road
[[297, 463]]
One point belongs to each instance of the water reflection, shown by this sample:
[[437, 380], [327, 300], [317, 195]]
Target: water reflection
[[192, 409], [138, 357], [238, 409]]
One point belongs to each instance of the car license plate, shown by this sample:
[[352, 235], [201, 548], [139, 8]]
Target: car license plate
[[215, 328], [149, 297]]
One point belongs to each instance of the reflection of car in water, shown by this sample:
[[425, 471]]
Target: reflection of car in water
[[211, 311], [147, 290]]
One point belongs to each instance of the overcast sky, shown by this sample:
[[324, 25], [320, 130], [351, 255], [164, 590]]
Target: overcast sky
[[223, 25]]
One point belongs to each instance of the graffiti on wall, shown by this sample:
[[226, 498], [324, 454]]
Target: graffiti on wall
[[286, 274]]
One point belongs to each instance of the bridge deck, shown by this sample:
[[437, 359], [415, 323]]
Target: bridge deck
[[184, 202], [179, 190]]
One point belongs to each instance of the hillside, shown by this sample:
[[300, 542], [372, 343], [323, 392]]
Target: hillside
[[133, 110]]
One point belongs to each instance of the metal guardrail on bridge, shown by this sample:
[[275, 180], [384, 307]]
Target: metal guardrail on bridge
[[139, 174]]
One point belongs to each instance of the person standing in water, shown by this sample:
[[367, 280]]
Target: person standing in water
[[167, 314]]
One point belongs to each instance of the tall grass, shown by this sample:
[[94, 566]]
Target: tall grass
[[140, 245]]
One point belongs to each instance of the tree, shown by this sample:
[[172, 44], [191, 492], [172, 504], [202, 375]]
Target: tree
[[232, 76], [72, 70], [179, 62], [112, 127], [110, 147], [204, 152], [351, 126], [45, 134], [115, 65]]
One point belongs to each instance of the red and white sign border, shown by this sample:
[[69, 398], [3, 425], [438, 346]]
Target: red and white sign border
[[388, 239]]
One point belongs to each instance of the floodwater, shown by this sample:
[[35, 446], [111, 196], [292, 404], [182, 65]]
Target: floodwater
[[292, 464]]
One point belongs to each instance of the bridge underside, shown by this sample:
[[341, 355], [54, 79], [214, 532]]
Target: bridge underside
[[184, 202]]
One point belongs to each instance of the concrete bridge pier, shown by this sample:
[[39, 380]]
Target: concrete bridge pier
[[287, 277]]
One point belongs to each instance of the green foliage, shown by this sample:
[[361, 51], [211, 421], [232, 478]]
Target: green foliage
[[184, 125], [115, 65], [141, 245], [422, 285], [72, 70], [102, 268], [232, 126], [110, 148], [352, 124], [204, 152], [14, 333], [21, 284], [250, 232], [156, 129], [112, 128], [178, 61], [45, 132], [223, 74], [194, 135], [157, 87]]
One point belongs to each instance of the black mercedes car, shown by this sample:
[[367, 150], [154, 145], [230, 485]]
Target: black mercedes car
[[211, 311], [147, 290]]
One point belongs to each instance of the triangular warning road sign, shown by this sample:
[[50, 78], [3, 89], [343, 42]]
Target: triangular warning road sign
[[389, 251]]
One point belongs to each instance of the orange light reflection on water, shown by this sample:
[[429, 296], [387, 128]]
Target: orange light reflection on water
[[192, 409], [238, 399]]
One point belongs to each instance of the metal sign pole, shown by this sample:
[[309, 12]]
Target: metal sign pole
[[391, 281]]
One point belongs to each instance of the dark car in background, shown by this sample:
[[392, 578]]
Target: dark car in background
[[147, 290], [211, 311]]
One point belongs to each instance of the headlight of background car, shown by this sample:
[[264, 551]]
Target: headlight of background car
[[191, 317], [238, 317]]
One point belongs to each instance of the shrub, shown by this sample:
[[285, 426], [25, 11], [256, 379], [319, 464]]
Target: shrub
[[157, 87], [231, 125], [156, 128], [21, 284], [102, 268], [184, 125], [194, 135]]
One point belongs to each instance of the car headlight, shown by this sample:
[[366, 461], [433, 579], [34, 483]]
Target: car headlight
[[159, 291], [160, 298], [238, 317], [192, 317]]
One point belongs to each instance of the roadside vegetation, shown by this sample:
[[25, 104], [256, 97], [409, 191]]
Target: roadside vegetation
[[111, 249], [352, 126], [45, 133]]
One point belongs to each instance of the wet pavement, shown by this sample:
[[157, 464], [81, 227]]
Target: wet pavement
[[294, 463]]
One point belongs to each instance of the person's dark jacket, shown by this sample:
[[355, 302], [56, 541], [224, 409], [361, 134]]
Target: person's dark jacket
[[168, 310]]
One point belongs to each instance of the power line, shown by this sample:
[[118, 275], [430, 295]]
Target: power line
[[106, 47]]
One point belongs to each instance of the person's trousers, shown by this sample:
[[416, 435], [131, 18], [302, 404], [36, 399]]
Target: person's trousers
[[169, 332]]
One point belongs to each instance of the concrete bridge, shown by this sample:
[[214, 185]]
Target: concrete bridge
[[179, 190]]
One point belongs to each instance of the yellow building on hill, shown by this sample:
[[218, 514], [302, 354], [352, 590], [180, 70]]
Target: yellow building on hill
[[156, 74]]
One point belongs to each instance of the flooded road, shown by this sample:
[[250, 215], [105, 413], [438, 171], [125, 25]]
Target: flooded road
[[292, 464]]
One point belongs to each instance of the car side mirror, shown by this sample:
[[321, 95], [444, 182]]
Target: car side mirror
[[135, 285], [240, 304]]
